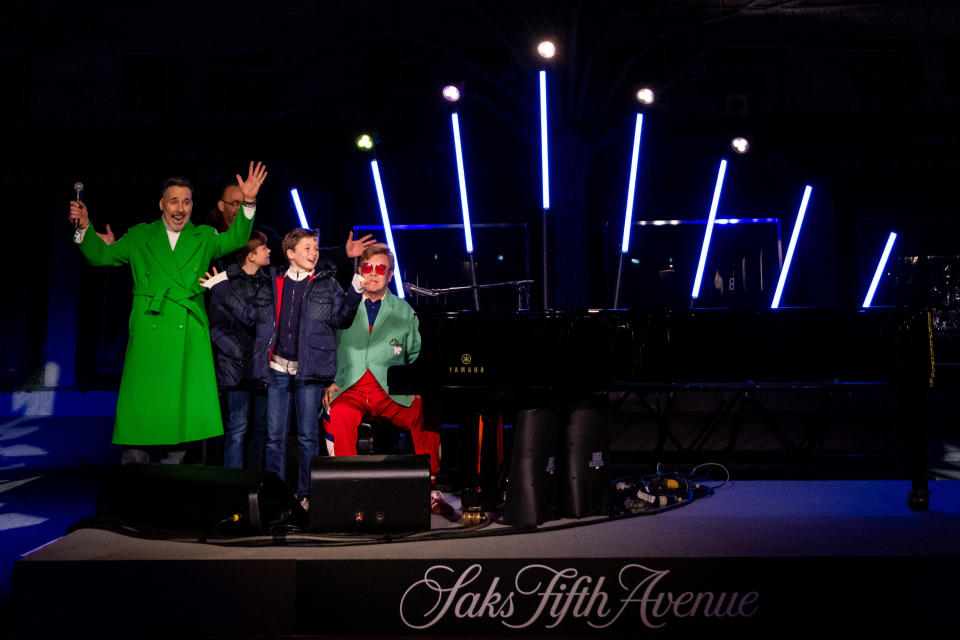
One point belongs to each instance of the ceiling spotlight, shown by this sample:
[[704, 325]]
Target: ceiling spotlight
[[547, 49], [740, 145], [645, 96], [451, 93], [364, 142]]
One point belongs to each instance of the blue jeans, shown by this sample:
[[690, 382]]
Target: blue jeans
[[282, 388], [239, 428]]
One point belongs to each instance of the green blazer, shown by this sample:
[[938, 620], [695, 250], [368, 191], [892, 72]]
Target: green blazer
[[395, 340], [168, 390]]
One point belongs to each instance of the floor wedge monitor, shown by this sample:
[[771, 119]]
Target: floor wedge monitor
[[370, 494]]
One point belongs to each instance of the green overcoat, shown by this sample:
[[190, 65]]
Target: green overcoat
[[395, 339], [168, 390]]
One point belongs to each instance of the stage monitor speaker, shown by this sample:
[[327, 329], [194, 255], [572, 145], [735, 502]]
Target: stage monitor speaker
[[198, 499], [532, 484], [370, 494], [585, 463]]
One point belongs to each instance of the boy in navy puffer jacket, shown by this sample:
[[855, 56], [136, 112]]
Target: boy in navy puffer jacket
[[295, 348], [234, 310]]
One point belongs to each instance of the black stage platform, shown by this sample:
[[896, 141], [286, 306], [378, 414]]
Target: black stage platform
[[755, 557]]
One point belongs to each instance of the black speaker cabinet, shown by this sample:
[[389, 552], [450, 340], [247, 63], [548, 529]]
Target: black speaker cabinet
[[532, 484], [586, 459], [197, 499], [370, 494]]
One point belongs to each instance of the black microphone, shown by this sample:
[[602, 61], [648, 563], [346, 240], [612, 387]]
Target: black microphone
[[78, 187], [412, 288]]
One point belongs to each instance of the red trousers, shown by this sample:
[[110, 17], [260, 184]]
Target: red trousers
[[366, 398]]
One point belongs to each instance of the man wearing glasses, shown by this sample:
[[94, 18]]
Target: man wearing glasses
[[385, 332], [223, 215]]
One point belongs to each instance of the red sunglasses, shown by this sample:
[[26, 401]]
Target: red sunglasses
[[367, 268]]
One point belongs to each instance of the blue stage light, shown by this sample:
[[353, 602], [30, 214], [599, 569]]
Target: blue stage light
[[464, 206], [628, 214], [544, 155], [673, 223], [793, 243], [397, 278], [867, 301], [300, 213], [407, 227], [709, 230]]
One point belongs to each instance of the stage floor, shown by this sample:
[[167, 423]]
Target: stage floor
[[754, 557]]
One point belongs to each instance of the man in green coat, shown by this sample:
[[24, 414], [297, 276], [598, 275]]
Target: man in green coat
[[168, 389]]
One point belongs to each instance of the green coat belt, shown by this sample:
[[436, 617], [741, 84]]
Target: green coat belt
[[168, 390]]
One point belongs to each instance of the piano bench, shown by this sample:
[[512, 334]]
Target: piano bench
[[379, 435]]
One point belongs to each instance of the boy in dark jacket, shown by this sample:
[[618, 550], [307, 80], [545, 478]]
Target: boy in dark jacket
[[300, 356], [295, 349], [235, 308]]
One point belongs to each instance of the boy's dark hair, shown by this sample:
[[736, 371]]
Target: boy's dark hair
[[376, 249], [292, 238], [176, 181], [257, 239]]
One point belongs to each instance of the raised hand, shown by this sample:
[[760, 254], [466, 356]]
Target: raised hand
[[355, 247], [251, 186], [208, 275], [108, 236]]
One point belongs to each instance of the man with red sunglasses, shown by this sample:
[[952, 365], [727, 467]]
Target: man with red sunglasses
[[385, 332]]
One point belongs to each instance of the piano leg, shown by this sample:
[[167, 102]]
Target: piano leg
[[481, 456], [915, 444]]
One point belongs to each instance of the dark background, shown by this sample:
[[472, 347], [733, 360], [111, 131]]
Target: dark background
[[858, 99]]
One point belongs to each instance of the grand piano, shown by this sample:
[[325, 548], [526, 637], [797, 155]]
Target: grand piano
[[521, 359]]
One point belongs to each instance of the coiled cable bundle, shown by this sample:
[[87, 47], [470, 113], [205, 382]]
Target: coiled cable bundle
[[666, 489]]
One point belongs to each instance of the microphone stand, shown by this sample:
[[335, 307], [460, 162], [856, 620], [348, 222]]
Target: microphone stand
[[473, 281], [616, 291]]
